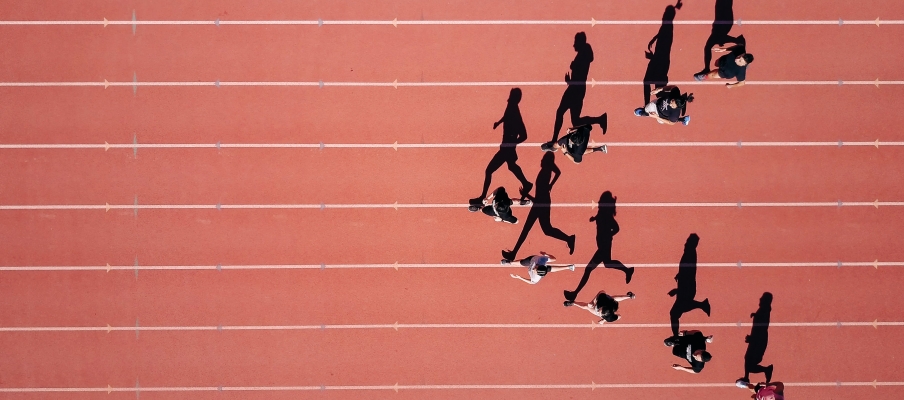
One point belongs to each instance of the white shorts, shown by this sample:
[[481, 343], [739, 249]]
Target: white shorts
[[651, 108]]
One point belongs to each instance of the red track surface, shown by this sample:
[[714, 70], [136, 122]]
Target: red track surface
[[383, 115]]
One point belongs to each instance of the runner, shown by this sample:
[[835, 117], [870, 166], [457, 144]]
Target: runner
[[538, 267]]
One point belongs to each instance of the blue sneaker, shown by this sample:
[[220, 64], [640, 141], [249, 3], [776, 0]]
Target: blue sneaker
[[686, 120], [640, 112]]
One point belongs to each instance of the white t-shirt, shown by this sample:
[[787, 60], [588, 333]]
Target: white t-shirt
[[532, 269]]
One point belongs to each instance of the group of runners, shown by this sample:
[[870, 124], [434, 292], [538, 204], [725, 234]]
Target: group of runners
[[668, 107]]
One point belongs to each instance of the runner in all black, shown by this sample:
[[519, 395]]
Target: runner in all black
[[498, 205], [730, 66], [669, 106], [603, 306], [690, 346], [575, 144]]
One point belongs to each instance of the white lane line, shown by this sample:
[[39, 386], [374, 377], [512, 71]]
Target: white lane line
[[396, 387], [396, 206], [396, 326], [739, 264], [396, 84], [134, 146], [396, 22]]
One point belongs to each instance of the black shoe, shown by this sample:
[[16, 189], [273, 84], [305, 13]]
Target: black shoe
[[706, 307], [629, 274], [547, 146], [769, 373], [473, 208], [631, 295], [568, 303]]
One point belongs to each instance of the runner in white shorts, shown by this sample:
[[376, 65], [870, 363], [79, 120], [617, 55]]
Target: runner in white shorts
[[538, 267]]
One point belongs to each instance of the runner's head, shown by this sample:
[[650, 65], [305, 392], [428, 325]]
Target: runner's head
[[682, 100], [744, 59]]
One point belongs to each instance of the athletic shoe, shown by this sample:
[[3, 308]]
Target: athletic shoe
[[709, 339], [741, 383], [568, 303], [631, 295], [604, 148], [505, 262], [525, 202], [640, 112], [473, 208], [547, 146], [497, 219], [700, 77], [571, 267], [686, 120]]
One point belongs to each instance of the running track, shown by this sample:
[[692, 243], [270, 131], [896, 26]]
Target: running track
[[155, 269]]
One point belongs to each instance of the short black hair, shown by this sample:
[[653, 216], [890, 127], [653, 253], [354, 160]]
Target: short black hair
[[705, 356], [748, 58], [542, 270], [611, 317]]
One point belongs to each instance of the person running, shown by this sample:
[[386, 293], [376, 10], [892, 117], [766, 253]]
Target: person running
[[499, 206], [513, 133], [603, 306], [575, 144], [669, 106], [538, 267], [730, 66], [690, 346], [764, 391]]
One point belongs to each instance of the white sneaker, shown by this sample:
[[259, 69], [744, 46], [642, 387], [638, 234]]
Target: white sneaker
[[741, 383], [571, 267]]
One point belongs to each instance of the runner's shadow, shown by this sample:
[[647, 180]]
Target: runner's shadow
[[657, 74], [606, 229], [573, 98], [540, 210], [758, 340], [686, 289], [513, 133], [722, 25]]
